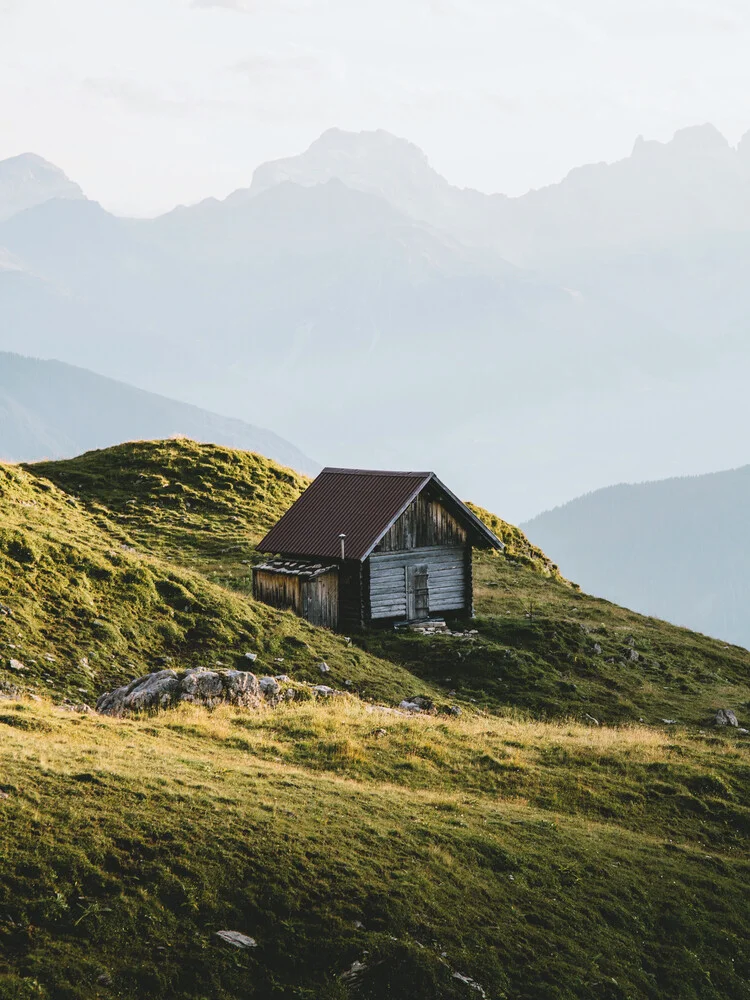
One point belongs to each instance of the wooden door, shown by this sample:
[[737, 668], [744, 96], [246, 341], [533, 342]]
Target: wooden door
[[417, 592]]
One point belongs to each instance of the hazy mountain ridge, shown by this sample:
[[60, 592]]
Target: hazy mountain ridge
[[53, 410], [674, 548], [29, 180], [333, 280]]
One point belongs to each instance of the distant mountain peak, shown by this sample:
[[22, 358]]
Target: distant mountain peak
[[368, 160], [29, 180], [695, 139]]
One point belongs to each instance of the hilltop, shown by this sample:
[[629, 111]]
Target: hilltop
[[543, 645], [520, 850]]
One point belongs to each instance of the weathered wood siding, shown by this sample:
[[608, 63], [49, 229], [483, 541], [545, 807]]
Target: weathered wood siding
[[397, 582], [280, 590], [320, 600], [317, 599], [352, 610], [425, 523]]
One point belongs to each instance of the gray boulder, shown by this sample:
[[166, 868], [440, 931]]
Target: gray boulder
[[726, 717], [269, 686], [167, 688]]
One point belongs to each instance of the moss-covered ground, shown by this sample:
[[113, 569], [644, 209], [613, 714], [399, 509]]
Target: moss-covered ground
[[541, 861], [545, 844]]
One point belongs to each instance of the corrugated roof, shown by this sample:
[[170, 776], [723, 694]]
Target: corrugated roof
[[358, 503]]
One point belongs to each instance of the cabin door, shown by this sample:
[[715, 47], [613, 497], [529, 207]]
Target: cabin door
[[417, 592]]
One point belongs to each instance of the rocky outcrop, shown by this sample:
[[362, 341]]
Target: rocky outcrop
[[167, 688]]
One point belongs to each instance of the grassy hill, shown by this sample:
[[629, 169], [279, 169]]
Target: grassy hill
[[520, 850]]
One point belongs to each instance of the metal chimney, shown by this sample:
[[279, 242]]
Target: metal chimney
[[342, 539]]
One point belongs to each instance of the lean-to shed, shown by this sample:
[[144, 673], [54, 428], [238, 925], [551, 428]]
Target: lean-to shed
[[359, 548]]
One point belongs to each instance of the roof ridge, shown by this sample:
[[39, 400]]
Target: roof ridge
[[374, 472]]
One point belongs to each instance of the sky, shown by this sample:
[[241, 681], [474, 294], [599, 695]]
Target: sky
[[152, 103]]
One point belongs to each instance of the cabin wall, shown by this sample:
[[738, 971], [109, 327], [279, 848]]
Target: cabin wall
[[280, 590], [352, 609], [320, 600], [425, 523], [397, 579]]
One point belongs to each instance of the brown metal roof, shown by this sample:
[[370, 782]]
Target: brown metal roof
[[360, 504]]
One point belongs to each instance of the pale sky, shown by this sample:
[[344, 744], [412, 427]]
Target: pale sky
[[151, 103]]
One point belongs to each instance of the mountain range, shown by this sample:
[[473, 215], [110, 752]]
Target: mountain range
[[54, 410], [531, 348], [676, 548]]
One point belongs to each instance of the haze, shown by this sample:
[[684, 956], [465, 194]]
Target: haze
[[150, 103]]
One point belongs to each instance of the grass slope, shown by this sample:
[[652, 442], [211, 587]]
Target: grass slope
[[495, 852], [542, 861], [82, 610], [204, 507]]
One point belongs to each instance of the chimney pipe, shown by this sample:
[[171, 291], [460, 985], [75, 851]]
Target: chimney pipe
[[342, 539]]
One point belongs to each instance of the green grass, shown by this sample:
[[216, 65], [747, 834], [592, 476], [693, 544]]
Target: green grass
[[83, 610], [545, 858], [331, 834]]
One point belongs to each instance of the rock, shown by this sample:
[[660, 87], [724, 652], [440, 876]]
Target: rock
[[354, 971], [323, 690], [630, 640], [410, 706], [283, 679], [251, 656], [422, 701], [324, 668], [669, 722], [167, 688], [726, 717], [597, 649], [633, 655], [269, 686], [743, 731], [16, 665], [348, 683], [236, 939], [454, 710], [104, 979], [202, 687]]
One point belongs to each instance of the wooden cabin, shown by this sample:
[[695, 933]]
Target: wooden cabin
[[361, 548]]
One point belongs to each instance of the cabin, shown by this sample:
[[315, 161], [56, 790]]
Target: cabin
[[362, 548]]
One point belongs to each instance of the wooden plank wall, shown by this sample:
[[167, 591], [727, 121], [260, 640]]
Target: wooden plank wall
[[320, 600], [424, 523], [389, 576], [280, 590]]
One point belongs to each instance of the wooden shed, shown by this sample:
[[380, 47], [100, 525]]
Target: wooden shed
[[361, 548]]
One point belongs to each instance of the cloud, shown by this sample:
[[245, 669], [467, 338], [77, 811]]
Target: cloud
[[244, 6], [291, 67], [144, 100]]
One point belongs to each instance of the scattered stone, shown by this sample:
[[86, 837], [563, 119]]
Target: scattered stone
[[380, 732], [269, 686], [597, 649], [16, 665], [251, 656], [104, 979], [410, 706], [167, 688], [633, 656], [454, 710], [354, 971], [359, 925], [471, 983], [324, 668], [743, 731], [669, 722], [348, 683], [422, 701], [323, 690], [630, 640], [726, 717], [4, 795], [236, 939], [591, 719], [283, 679], [81, 709]]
